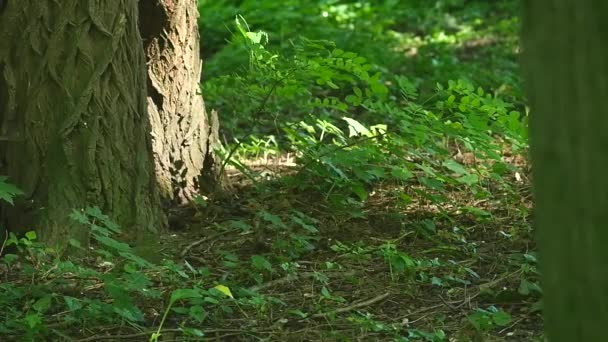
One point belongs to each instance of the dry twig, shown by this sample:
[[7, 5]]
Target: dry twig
[[354, 306]]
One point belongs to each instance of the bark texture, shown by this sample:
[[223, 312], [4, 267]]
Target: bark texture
[[183, 136], [73, 111], [566, 64]]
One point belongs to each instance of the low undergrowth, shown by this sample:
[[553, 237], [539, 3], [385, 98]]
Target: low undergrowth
[[379, 190], [282, 266]]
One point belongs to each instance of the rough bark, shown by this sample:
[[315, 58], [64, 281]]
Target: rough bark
[[73, 109], [182, 134], [566, 64]]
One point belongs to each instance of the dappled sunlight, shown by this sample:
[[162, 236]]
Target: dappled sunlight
[[368, 180]]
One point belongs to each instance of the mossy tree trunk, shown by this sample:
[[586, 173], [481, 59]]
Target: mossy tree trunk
[[73, 114], [566, 64], [183, 135]]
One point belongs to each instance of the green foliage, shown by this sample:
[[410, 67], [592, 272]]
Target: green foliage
[[399, 262], [54, 278], [108, 286], [293, 237], [412, 106], [342, 157], [490, 318], [8, 191], [420, 97], [418, 335], [102, 229]]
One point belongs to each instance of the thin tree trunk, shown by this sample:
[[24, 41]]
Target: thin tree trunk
[[183, 136], [566, 64], [73, 102]]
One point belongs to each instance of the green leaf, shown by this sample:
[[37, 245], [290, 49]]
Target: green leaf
[[8, 191], [180, 294], [480, 321], [225, 290], [261, 263], [200, 201], [72, 303], [79, 216], [130, 313], [427, 170], [432, 183], [331, 84], [360, 191], [193, 331], [455, 167], [477, 212], [355, 128], [240, 225], [273, 219], [354, 100], [197, 313], [401, 173], [470, 179], [10, 258], [501, 318], [524, 288], [298, 313], [303, 224], [96, 213], [211, 300], [114, 244], [527, 287], [358, 92], [436, 281], [31, 235], [359, 60], [180, 310], [451, 99], [43, 304], [33, 320]]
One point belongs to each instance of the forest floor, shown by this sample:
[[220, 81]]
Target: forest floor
[[395, 266], [390, 261], [392, 272], [290, 266]]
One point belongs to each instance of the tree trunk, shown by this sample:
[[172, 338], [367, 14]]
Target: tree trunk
[[566, 64], [73, 114], [182, 134]]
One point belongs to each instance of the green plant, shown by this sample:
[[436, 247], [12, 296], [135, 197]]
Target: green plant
[[398, 262], [344, 161], [417, 335], [54, 296], [484, 320], [367, 323], [8, 191], [403, 127], [195, 310], [292, 238]]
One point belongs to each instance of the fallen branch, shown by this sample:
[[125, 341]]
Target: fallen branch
[[516, 322], [354, 306], [203, 240], [4, 243], [280, 281], [147, 333], [290, 278]]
